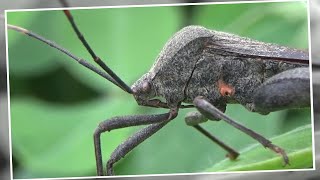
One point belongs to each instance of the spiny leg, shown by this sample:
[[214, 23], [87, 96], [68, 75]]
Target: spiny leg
[[208, 109], [122, 122], [194, 119]]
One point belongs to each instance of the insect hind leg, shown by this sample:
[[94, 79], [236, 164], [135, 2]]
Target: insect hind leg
[[204, 106], [286, 90], [194, 119]]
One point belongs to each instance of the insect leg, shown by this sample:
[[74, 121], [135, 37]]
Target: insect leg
[[208, 110], [133, 141], [158, 121], [194, 119], [289, 89]]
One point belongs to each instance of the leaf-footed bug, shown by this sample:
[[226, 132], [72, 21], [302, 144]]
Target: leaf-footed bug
[[234, 74]]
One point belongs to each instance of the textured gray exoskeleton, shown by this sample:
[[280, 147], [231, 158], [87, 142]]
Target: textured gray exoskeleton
[[205, 69], [195, 59], [199, 66]]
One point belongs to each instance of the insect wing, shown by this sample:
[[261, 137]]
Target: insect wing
[[248, 47]]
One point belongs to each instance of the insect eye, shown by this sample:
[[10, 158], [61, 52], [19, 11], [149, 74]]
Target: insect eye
[[146, 87]]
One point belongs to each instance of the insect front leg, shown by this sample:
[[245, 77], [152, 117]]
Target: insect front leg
[[207, 109], [286, 90], [194, 119], [157, 122]]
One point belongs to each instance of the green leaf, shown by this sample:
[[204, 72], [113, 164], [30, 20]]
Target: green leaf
[[297, 144], [269, 22], [48, 138], [28, 57]]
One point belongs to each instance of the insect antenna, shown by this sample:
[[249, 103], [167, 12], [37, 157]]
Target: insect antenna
[[96, 59], [63, 50]]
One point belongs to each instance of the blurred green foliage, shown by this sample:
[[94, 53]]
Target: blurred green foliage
[[56, 104], [299, 152]]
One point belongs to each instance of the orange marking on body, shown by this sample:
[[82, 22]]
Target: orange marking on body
[[225, 89]]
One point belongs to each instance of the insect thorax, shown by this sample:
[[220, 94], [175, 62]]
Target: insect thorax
[[191, 65], [174, 66]]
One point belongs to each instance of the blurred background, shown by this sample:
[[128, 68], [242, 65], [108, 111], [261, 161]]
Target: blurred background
[[56, 104]]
